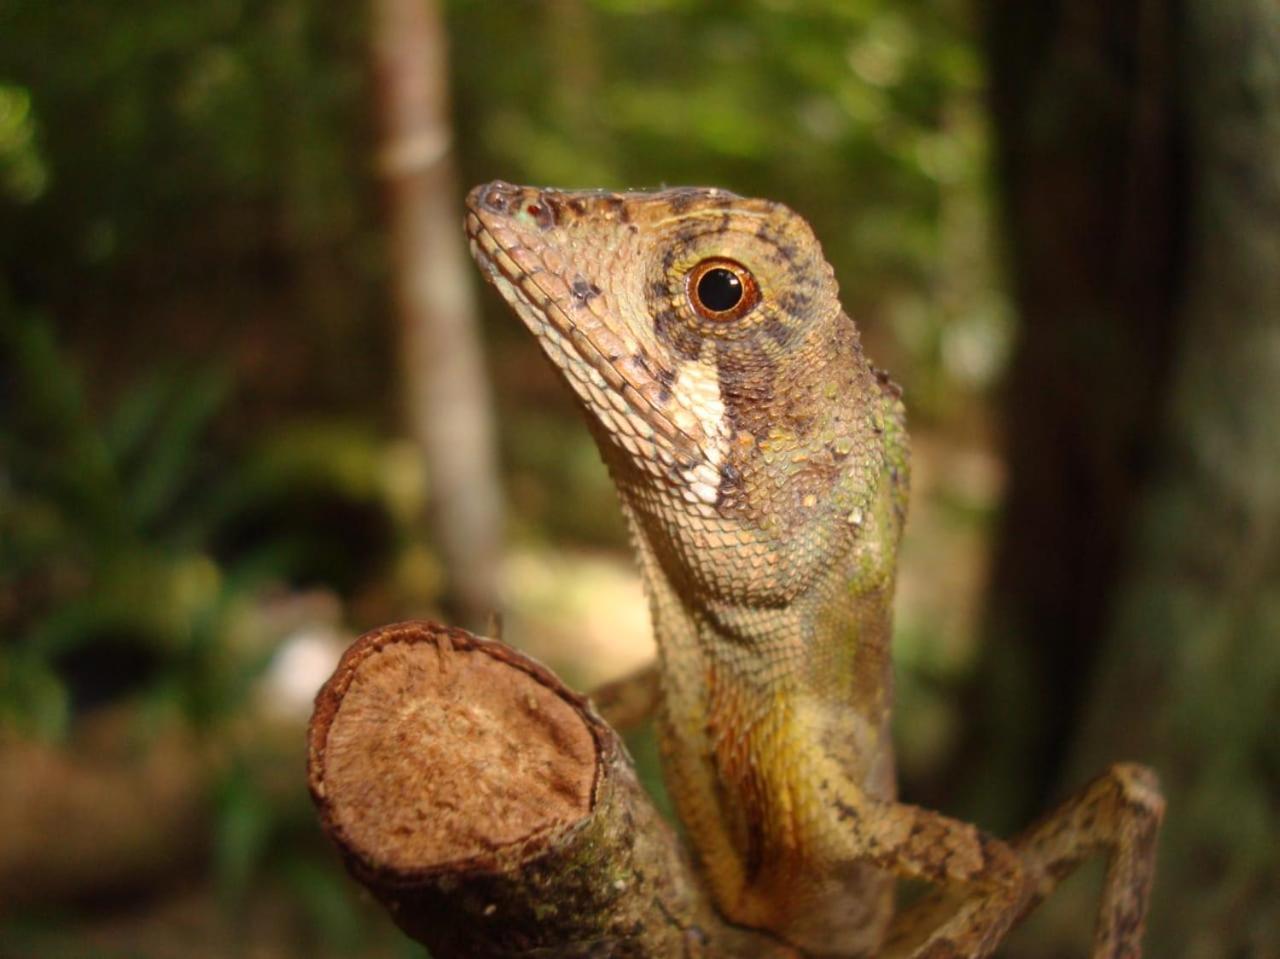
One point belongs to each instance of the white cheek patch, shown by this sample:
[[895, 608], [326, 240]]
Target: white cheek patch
[[696, 393], [694, 407]]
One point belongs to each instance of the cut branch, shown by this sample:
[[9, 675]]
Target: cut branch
[[494, 814]]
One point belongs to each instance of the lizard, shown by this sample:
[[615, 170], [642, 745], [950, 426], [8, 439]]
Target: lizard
[[762, 464]]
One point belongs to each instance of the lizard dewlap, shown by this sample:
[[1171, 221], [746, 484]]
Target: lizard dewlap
[[762, 466]]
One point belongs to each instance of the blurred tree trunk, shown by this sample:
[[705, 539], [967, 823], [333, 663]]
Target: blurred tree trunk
[[445, 384], [1138, 582], [1082, 97], [1191, 671]]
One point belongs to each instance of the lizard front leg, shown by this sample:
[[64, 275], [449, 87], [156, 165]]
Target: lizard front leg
[[982, 884], [988, 885], [1118, 814]]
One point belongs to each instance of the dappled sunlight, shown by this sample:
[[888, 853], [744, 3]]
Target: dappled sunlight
[[584, 613]]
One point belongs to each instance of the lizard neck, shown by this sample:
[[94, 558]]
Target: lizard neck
[[809, 670], [774, 638], [760, 705]]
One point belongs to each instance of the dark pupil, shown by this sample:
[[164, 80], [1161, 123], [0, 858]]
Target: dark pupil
[[719, 289]]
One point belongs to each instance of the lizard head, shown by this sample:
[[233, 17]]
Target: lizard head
[[678, 317]]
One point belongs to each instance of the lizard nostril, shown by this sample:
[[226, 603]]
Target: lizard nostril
[[498, 197], [520, 203], [542, 210]]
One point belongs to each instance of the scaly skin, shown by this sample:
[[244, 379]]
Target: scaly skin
[[762, 465]]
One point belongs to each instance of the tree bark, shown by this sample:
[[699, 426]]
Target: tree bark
[[1082, 95], [1141, 543], [1192, 673], [445, 384], [494, 814]]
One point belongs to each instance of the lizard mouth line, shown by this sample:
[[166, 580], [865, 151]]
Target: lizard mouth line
[[556, 332]]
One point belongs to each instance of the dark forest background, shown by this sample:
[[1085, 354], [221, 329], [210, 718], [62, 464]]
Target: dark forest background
[[253, 401]]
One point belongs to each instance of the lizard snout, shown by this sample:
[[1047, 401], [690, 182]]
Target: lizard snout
[[527, 204]]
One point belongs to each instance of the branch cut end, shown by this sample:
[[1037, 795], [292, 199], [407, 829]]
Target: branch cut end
[[441, 750]]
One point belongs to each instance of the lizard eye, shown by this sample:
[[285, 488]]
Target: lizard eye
[[721, 289]]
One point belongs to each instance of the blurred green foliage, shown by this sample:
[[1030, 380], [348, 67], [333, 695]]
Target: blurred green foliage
[[183, 182], [103, 556], [133, 566], [866, 116], [213, 165], [195, 402], [134, 549]]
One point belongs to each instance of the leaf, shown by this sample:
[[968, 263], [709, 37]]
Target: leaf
[[243, 829], [171, 455]]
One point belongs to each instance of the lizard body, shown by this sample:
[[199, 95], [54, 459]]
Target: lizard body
[[762, 465]]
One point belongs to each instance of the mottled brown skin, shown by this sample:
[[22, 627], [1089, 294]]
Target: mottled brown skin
[[762, 465]]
